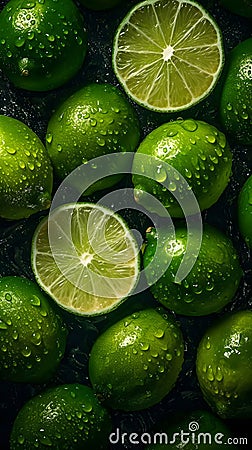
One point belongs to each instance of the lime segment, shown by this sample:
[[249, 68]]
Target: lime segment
[[85, 258], [168, 54]]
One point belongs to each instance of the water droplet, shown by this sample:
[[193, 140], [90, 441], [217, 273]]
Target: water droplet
[[22, 164], [211, 139], [8, 297], [208, 344], [161, 174], [21, 439], [31, 166], [87, 408], [210, 375], [189, 125], [3, 325], [15, 335], [161, 369], [144, 346], [172, 186], [35, 301], [134, 351], [9, 54], [101, 142], [93, 122], [49, 138], [219, 375], [59, 148], [36, 338], [3, 41], [26, 351], [229, 107], [172, 133], [159, 333], [51, 38]]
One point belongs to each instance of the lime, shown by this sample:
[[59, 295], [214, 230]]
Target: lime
[[194, 430], [32, 335], [243, 7], [168, 54], [94, 121], [224, 365], [26, 172], [136, 361], [236, 99], [199, 153], [85, 257], [213, 280], [245, 211], [63, 417], [43, 43], [98, 5]]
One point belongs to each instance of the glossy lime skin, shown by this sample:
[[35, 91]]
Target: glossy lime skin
[[236, 99], [212, 281], [224, 365], [194, 423], [200, 154], [98, 5], [32, 335], [95, 121], [63, 417], [136, 362], [26, 171], [43, 43], [241, 7], [245, 212]]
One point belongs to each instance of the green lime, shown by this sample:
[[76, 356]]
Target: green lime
[[85, 257], [194, 430], [212, 281], [196, 150], [98, 5], [245, 211], [26, 171], [94, 121], [136, 361], [168, 55], [224, 365], [43, 43], [236, 99], [241, 7], [32, 335], [60, 418]]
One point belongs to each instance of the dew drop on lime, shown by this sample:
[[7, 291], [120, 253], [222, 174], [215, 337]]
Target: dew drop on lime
[[49, 138], [211, 139], [21, 439], [26, 351], [3, 326], [35, 301], [8, 297], [189, 125]]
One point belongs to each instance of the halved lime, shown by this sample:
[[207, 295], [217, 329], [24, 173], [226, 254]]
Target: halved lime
[[168, 54], [85, 257]]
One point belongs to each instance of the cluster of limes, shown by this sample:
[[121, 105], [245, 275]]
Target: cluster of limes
[[168, 55]]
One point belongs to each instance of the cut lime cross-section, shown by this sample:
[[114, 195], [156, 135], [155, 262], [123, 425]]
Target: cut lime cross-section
[[85, 257], [168, 54]]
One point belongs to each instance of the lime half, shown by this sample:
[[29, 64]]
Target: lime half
[[168, 54], [85, 257]]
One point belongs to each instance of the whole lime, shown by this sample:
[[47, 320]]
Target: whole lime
[[193, 430], [198, 153], [43, 43], [212, 281], [236, 98], [63, 417], [136, 361], [26, 171], [98, 5], [95, 121], [245, 211], [224, 365], [32, 335]]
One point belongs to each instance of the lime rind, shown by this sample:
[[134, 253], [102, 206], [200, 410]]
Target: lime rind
[[86, 277], [167, 81]]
